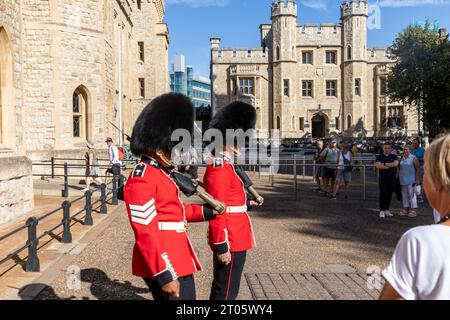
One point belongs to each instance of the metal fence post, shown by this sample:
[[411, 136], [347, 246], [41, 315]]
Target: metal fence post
[[364, 182], [115, 200], [295, 178], [33, 260], [66, 181], [53, 167], [103, 207], [67, 235], [88, 207], [271, 177], [304, 167]]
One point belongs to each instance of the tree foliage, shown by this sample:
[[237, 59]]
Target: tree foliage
[[421, 75]]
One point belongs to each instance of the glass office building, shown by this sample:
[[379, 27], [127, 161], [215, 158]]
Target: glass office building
[[183, 80]]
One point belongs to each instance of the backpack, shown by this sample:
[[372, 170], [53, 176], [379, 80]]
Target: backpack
[[121, 153]]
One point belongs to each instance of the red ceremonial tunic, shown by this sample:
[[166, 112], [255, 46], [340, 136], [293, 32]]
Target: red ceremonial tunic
[[152, 199], [232, 230]]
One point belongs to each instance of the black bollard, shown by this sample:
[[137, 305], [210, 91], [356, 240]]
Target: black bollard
[[32, 242], [67, 235], [115, 200], [88, 207], [103, 207]]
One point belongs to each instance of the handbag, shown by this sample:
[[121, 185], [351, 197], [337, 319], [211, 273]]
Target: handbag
[[348, 167]]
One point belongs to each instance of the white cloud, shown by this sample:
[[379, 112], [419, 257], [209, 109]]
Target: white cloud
[[410, 3], [200, 3], [315, 4]]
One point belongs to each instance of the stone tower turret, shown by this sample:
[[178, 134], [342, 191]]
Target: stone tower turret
[[284, 59], [354, 54]]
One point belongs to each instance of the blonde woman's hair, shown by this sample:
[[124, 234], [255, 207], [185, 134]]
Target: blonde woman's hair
[[437, 158]]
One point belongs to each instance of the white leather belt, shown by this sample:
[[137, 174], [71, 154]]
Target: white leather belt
[[239, 209], [172, 226]]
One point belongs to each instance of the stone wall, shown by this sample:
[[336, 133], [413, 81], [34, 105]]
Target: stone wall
[[16, 188]]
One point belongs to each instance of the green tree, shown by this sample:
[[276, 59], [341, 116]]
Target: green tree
[[421, 75]]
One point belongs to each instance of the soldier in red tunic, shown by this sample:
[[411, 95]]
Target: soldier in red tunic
[[163, 255], [230, 235]]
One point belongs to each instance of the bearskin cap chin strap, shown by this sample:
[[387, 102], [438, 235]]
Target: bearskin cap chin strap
[[163, 158]]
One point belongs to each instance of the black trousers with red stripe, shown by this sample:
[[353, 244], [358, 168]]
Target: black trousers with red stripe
[[187, 289], [227, 278]]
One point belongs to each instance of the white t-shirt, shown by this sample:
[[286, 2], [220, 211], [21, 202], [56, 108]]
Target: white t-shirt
[[420, 267], [114, 154]]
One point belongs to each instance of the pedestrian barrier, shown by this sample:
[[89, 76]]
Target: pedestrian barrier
[[32, 263]]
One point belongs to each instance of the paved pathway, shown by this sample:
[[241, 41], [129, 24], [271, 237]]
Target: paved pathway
[[325, 246]]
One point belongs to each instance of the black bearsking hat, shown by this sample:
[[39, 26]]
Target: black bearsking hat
[[236, 115], [159, 119]]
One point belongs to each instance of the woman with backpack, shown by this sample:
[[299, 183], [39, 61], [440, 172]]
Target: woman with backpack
[[344, 171]]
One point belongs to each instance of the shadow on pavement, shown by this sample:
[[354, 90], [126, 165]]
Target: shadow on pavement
[[104, 288], [99, 284]]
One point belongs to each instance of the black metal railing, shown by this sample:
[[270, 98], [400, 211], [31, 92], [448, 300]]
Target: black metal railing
[[33, 264]]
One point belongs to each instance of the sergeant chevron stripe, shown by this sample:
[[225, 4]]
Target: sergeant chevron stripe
[[143, 214]]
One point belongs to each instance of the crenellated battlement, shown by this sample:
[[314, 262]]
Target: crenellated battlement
[[354, 8], [284, 8], [378, 55], [241, 55], [319, 34]]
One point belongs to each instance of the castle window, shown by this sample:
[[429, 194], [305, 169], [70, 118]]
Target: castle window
[[358, 87], [331, 88], [142, 87], [383, 86], [349, 53], [349, 122], [278, 53], [234, 53], [139, 4], [141, 51], [307, 88], [79, 112], [286, 87], [330, 57], [337, 123], [278, 123], [301, 124], [249, 53], [246, 86], [307, 57]]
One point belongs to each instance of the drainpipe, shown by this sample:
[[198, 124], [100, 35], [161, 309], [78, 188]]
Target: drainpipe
[[120, 87]]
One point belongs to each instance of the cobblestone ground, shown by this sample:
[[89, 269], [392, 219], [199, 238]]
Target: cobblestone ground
[[329, 242]]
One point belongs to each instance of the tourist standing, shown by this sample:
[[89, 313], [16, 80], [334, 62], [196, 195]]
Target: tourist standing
[[92, 167], [329, 156], [387, 164], [344, 171], [319, 169], [419, 153], [114, 160], [420, 266], [409, 175]]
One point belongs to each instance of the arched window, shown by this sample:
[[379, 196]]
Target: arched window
[[349, 53], [80, 113], [7, 92], [278, 53], [349, 122], [278, 123]]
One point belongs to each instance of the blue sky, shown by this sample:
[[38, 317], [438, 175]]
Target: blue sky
[[236, 22]]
